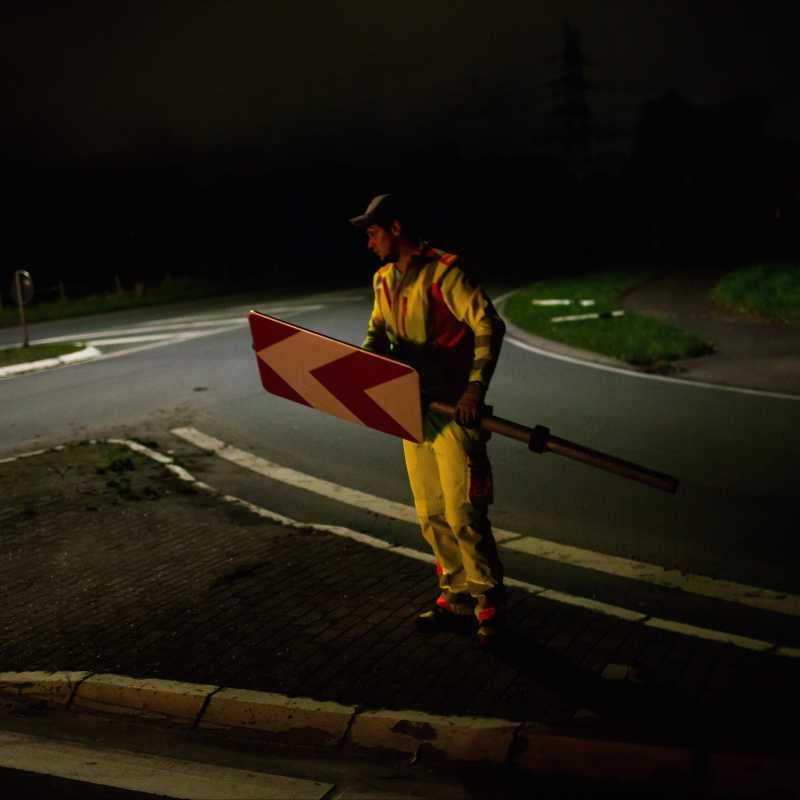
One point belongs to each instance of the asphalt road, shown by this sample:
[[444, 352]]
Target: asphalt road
[[736, 455]]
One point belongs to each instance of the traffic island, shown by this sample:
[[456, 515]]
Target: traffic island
[[130, 592]]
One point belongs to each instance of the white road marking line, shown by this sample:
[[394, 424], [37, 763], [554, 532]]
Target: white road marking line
[[701, 585], [141, 337], [704, 633], [594, 605], [150, 774], [410, 552], [140, 448], [300, 480], [498, 302], [582, 317], [647, 375], [178, 323], [551, 594], [718, 589], [161, 341]]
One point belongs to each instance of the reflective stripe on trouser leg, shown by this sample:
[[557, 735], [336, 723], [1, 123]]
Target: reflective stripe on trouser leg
[[451, 481], [423, 476]]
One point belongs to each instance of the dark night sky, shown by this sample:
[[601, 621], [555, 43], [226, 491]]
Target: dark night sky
[[123, 79]]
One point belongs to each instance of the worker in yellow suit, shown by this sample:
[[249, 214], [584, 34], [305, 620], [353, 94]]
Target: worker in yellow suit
[[428, 313]]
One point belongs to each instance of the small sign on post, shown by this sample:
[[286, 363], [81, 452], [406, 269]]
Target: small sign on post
[[22, 292]]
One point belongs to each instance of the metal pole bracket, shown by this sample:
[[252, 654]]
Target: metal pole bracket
[[538, 441]]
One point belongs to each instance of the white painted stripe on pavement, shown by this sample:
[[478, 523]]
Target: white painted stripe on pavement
[[410, 552], [149, 774], [140, 448], [180, 323], [300, 480], [593, 605], [646, 375], [701, 585], [351, 497], [181, 473], [498, 302], [704, 633], [142, 337], [730, 591], [551, 594]]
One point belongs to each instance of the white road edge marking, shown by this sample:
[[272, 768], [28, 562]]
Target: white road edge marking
[[690, 583], [181, 323], [551, 594], [498, 302], [276, 472], [162, 341], [717, 588]]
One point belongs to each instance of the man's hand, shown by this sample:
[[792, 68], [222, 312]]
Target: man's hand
[[468, 406]]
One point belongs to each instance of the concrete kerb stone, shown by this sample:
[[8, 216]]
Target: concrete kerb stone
[[528, 746], [85, 354], [299, 719], [147, 698], [471, 739], [52, 688]]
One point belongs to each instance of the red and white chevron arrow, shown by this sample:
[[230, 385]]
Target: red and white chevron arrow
[[337, 377]]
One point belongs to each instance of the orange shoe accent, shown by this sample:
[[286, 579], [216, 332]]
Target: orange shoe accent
[[441, 601], [486, 614], [439, 569]]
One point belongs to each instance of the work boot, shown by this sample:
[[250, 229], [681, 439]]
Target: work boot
[[490, 613], [451, 613]]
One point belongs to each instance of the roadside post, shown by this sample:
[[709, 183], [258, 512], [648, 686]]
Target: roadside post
[[22, 292], [344, 380], [540, 440]]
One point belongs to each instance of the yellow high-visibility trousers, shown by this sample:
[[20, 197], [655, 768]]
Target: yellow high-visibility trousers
[[451, 480]]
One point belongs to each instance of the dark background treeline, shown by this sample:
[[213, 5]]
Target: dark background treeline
[[697, 186]]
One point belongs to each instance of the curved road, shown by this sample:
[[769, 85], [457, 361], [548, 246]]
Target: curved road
[[736, 454]]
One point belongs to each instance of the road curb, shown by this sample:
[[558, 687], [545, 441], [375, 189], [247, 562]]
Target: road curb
[[46, 363], [56, 688], [480, 741], [146, 698], [299, 719]]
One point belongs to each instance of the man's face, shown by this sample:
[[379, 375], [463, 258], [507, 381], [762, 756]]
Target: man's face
[[382, 242]]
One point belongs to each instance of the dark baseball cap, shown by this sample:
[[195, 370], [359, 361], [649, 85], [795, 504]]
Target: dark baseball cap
[[382, 209]]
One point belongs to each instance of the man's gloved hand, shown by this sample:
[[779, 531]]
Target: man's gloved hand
[[469, 404]]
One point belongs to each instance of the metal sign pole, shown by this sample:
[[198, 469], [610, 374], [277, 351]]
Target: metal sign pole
[[540, 440], [21, 301]]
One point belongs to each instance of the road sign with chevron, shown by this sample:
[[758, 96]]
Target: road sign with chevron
[[336, 377]]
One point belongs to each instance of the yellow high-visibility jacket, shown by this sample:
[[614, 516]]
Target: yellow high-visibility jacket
[[436, 319]]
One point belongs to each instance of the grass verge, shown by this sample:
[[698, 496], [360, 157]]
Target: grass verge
[[767, 291], [11, 356], [633, 338]]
